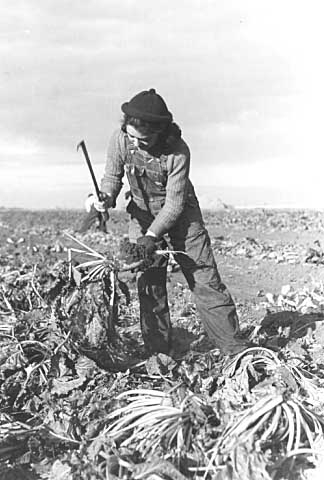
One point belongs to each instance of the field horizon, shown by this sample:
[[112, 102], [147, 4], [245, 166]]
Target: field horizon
[[204, 209]]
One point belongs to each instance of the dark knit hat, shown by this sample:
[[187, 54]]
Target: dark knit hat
[[148, 106]]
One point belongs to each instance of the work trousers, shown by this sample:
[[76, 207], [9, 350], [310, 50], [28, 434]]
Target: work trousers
[[214, 303]]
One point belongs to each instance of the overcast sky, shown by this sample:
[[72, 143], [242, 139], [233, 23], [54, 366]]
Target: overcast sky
[[243, 78]]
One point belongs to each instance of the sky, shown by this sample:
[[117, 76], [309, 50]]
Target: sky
[[243, 79]]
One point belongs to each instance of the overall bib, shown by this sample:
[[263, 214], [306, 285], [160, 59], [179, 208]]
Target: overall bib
[[147, 177]]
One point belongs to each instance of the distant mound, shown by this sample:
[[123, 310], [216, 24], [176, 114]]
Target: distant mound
[[209, 200]]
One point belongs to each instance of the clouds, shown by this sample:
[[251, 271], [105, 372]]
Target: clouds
[[247, 136], [233, 73]]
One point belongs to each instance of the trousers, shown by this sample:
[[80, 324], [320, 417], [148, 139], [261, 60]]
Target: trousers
[[214, 303]]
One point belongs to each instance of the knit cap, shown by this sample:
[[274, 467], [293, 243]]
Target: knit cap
[[148, 106]]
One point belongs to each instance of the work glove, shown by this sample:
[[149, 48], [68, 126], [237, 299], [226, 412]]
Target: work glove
[[105, 202], [88, 204], [149, 242]]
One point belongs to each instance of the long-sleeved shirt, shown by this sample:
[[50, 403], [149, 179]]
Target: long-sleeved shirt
[[178, 186]]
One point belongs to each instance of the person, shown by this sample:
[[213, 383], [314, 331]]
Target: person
[[150, 149]]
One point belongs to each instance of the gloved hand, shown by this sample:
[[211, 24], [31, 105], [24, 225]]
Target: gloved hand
[[105, 202], [89, 202], [149, 243]]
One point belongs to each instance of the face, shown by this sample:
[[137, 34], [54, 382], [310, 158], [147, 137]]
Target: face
[[139, 140]]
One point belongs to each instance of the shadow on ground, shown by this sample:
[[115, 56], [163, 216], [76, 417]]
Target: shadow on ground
[[286, 326], [184, 341]]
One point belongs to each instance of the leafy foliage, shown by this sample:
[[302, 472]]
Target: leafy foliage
[[81, 400]]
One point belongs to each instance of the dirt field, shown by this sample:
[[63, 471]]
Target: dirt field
[[248, 274], [61, 375], [257, 251]]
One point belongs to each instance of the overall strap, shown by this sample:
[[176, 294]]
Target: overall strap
[[164, 162], [135, 176]]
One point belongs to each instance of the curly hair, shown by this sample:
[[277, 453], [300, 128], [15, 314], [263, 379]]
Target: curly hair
[[169, 133]]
